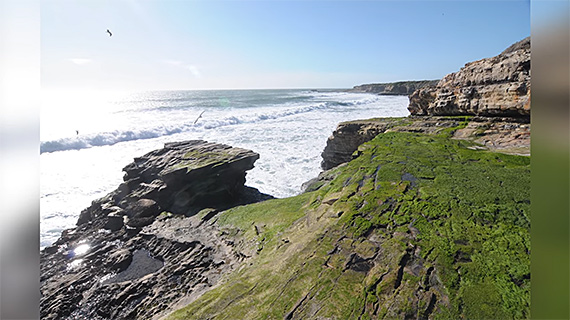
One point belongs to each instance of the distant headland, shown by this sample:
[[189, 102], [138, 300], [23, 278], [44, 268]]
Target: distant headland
[[394, 88]]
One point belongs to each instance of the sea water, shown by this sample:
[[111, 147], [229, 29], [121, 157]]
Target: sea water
[[86, 139]]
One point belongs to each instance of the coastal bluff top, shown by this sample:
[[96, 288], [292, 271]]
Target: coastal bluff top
[[496, 86]]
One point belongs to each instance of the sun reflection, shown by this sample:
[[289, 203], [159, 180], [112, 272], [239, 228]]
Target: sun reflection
[[81, 249]]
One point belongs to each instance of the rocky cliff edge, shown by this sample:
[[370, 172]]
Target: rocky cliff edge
[[497, 86]]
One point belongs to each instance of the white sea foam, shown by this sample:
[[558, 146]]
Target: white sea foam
[[89, 140], [288, 128]]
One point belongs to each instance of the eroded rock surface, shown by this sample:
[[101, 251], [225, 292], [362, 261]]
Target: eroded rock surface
[[497, 86], [130, 257]]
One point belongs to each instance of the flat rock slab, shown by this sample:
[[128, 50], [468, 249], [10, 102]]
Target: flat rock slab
[[142, 264]]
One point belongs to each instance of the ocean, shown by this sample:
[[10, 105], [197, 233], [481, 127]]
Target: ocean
[[87, 138]]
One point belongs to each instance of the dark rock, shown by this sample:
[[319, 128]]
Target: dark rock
[[141, 268], [114, 223], [141, 264], [143, 208], [84, 216], [119, 260], [139, 222]]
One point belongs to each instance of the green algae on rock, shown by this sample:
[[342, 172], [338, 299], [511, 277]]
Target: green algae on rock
[[416, 226]]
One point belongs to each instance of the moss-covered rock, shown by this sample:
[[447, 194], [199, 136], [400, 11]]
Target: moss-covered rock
[[416, 226]]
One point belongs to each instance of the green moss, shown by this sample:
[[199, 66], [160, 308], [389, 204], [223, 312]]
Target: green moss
[[275, 215], [469, 211]]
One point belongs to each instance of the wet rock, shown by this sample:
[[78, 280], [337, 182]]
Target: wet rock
[[141, 264], [119, 260]]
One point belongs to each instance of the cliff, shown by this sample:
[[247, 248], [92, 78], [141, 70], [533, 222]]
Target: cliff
[[403, 88], [416, 225], [422, 217], [497, 86]]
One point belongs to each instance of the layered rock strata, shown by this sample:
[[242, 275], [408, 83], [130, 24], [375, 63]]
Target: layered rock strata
[[497, 86], [403, 88], [129, 257], [493, 92]]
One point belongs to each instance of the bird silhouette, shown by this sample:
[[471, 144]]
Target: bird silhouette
[[109, 32], [200, 116]]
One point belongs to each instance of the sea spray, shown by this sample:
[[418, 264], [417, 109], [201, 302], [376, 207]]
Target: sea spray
[[288, 128]]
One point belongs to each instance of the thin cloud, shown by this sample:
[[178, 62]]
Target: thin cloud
[[192, 68], [80, 61]]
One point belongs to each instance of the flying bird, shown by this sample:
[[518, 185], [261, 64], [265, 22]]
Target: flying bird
[[109, 32], [200, 116]]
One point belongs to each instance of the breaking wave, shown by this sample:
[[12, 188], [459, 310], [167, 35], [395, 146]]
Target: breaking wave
[[112, 137]]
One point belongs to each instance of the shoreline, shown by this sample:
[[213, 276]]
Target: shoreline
[[408, 219]]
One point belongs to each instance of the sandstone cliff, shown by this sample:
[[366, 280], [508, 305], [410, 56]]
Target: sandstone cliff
[[403, 88], [497, 86]]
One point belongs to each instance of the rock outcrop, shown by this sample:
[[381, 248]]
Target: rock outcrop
[[500, 134], [493, 92], [402, 88], [150, 243], [409, 221], [348, 136], [497, 86]]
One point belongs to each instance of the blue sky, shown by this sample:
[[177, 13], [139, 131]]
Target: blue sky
[[267, 44]]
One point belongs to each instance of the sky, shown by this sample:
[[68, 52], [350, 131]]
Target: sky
[[179, 45]]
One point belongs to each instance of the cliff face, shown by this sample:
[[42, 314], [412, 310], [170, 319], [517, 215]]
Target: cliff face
[[497, 86], [348, 136], [403, 88]]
